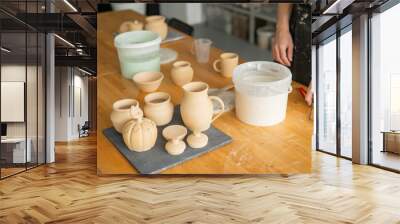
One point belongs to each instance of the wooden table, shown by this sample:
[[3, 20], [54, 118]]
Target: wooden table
[[283, 148]]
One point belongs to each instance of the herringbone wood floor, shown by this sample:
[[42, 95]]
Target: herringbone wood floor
[[69, 191]]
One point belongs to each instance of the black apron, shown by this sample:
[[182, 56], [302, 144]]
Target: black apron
[[300, 28]]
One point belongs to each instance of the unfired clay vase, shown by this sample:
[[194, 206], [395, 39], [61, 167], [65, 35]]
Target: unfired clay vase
[[197, 112], [226, 64], [157, 24], [181, 73], [120, 114], [140, 134], [158, 108], [130, 26], [148, 81], [174, 134]]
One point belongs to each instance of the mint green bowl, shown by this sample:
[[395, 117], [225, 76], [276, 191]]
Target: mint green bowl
[[138, 51]]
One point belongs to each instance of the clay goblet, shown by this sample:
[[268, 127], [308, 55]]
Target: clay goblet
[[174, 134]]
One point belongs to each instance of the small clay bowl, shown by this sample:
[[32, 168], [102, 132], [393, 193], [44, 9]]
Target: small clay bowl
[[148, 81], [174, 134]]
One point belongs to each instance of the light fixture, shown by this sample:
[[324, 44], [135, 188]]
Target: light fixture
[[70, 5], [84, 71], [64, 40], [5, 50]]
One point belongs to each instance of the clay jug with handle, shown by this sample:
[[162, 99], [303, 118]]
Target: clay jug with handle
[[157, 24], [197, 112]]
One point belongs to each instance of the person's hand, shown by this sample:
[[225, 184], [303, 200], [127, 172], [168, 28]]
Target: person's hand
[[282, 50]]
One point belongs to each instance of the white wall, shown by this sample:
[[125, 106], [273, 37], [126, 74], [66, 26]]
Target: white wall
[[138, 7], [190, 13], [69, 82], [33, 126], [62, 81], [17, 73]]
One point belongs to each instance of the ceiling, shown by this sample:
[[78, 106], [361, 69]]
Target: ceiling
[[330, 16], [72, 20]]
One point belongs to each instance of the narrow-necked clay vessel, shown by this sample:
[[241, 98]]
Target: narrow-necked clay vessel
[[157, 24], [181, 73], [197, 112], [130, 26], [174, 135], [120, 114], [148, 81], [140, 134], [158, 108]]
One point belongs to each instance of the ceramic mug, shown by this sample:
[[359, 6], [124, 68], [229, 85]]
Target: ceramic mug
[[226, 64], [158, 108]]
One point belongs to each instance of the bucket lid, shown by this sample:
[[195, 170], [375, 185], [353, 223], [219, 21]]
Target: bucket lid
[[137, 39], [262, 77]]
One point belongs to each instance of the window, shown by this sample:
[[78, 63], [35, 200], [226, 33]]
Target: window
[[22, 78], [334, 94], [326, 96], [346, 93], [385, 89]]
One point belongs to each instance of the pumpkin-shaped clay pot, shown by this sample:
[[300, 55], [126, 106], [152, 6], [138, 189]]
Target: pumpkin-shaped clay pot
[[140, 134]]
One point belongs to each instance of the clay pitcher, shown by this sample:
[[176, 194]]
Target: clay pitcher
[[157, 24], [197, 112]]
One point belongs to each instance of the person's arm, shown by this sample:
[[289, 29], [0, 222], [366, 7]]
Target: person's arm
[[309, 94], [282, 50]]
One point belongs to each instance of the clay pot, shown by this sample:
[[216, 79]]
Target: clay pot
[[157, 24], [181, 73], [130, 26], [140, 134], [148, 81], [226, 64], [197, 112], [120, 114], [174, 135], [158, 108]]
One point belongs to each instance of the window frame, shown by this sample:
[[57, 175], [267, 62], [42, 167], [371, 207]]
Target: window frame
[[333, 37]]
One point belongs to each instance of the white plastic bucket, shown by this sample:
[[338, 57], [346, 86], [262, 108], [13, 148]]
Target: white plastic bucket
[[261, 92], [138, 51]]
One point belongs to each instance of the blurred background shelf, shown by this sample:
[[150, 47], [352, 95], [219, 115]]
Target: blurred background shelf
[[240, 19]]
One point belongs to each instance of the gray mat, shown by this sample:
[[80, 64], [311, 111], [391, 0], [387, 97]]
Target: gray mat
[[157, 159]]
